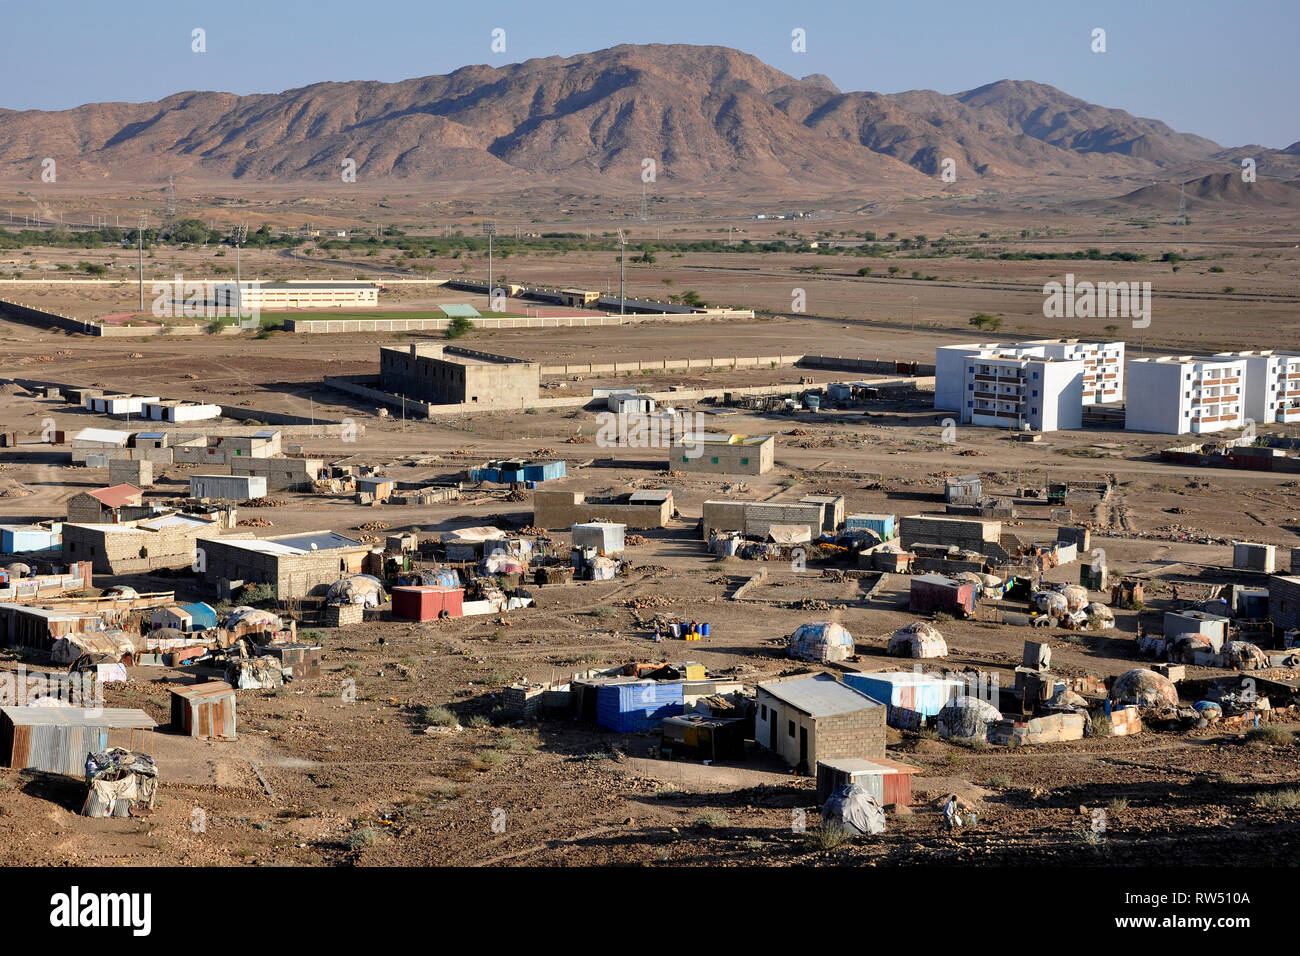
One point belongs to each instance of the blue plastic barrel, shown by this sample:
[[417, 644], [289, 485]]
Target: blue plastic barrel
[[704, 630]]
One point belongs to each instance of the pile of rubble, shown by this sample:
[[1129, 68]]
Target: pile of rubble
[[374, 526], [264, 503], [647, 601], [631, 540], [254, 523], [808, 604]]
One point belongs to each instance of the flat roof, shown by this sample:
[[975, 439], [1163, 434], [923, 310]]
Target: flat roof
[[118, 717], [907, 678], [820, 696], [310, 285], [860, 765], [101, 434]]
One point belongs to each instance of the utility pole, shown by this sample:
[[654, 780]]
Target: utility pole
[[240, 234], [913, 298], [489, 230], [622, 273], [140, 248]]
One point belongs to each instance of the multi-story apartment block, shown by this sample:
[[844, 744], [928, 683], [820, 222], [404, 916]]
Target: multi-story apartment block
[[1041, 384], [1177, 394], [1272, 392]]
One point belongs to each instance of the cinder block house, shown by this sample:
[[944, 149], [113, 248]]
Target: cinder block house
[[807, 719]]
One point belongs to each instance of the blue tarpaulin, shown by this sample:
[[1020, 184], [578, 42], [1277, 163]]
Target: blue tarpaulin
[[202, 616], [629, 708]]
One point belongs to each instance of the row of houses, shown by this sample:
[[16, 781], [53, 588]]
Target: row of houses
[[1046, 384]]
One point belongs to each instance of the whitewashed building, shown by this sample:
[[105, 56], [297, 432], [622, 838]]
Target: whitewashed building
[[1272, 390], [1182, 394]]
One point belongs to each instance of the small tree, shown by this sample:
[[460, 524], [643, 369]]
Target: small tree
[[459, 326], [985, 322]]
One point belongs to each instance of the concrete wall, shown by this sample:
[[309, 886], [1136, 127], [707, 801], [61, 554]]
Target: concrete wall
[[290, 576], [453, 375], [130, 551], [857, 734], [563, 509], [280, 473], [131, 472], [970, 534], [722, 458], [1283, 601]]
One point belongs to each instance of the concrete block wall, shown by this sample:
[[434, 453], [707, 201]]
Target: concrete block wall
[[858, 734], [131, 472], [563, 509], [130, 552], [970, 534]]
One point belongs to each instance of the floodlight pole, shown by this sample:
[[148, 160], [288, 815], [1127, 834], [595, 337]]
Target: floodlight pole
[[140, 249], [622, 273]]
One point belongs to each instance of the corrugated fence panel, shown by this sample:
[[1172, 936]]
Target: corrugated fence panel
[[630, 708]]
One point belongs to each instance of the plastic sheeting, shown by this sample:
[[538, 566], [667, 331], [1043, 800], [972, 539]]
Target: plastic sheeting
[[1076, 597], [363, 589], [1101, 614], [1244, 656], [1144, 688], [254, 673], [119, 782], [855, 809], [1051, 602], [965, 717], [918, 639], [823, 641], [251, 616]]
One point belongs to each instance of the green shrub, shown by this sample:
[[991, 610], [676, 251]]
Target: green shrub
[[438, 716]]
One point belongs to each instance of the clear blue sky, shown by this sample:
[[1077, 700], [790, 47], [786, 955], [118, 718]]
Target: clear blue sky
[[1224, 70]]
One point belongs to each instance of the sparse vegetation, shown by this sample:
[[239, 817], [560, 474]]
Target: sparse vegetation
[[1288, 799], [438, 716]]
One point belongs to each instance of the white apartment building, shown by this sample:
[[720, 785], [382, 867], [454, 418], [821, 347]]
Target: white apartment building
[[1272, 392], [1041, 384], [1178, 394], [259, 295]]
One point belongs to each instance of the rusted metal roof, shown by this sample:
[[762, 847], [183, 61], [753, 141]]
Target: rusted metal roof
[[116, 496]]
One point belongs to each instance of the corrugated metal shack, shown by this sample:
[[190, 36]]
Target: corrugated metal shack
[[936, 592], [911, 698], [605, 537], [889, 781], [427, 602], [702, 737], [963, 490], [881, 525], [204, 710], [57, 739], [228, 487], [637, 706]]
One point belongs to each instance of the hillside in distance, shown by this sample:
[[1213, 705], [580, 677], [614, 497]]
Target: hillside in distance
[[711, 118]]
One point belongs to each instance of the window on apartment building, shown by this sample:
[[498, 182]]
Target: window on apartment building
[[970, 404], [763, 711], [685, 459], [1035, 376], [715, 461], [744, 461], [791, 728], [970, 387], [1033, 393], [1033, 411]]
